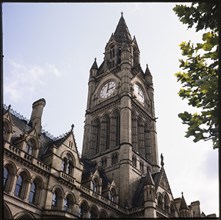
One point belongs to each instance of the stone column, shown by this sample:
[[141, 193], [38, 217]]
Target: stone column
[[27, 191], [12, 185]]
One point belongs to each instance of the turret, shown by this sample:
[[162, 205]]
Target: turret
[[149, 197], [37, 110], [184, 210], [93, 70], [148, 76]]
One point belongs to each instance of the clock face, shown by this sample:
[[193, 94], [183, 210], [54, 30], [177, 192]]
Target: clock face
[[139, 93], [107, 89]]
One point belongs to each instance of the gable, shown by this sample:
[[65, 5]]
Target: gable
[[163, 182]]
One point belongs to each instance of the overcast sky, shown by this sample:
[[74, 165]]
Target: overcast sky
[[49, 50]]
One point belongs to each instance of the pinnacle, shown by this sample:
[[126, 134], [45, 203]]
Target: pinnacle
[[122, 34]]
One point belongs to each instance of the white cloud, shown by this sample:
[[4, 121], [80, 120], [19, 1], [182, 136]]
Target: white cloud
[[21, 80]]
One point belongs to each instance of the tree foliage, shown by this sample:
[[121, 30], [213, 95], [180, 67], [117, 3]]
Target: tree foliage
[[199, 76]]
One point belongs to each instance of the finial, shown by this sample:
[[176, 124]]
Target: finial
[[95, 59], [72, 127], [182, 193], [9, 107], [122, 14], [161, 163]]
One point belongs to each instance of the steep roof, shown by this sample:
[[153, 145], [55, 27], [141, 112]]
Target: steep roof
[[138, 198], [122, 34]]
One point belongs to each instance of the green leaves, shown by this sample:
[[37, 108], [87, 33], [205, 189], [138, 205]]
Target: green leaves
[[199, 75], [202, 15]]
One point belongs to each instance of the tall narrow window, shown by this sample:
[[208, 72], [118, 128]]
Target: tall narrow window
[[95, 137], [83, 210], [18, 186], [54, 200], [134, 161], [117, 129], [5, 178], [67, 165], [107, 129], [32, 193], [95, 185], [94, 212], [30, 147], [66, 203], [64, 164]]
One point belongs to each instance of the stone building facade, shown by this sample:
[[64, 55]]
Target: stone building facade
[[118, 174]]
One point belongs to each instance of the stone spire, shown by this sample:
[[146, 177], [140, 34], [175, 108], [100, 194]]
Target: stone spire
[[183, 204], [122, 34], [149, 179], [94, 66]]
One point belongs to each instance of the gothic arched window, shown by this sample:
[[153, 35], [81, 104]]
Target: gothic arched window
[[35, 191], [6, 176], [95, 185], [68, 203], [160, 201], [84, 208], [147, 141], [134, 132], [115, 128], [67, 165], [9, 175], [18, 186], [54, 200], [113, 195], [22, 184], [30, 147], [95, 137], [32, 193], [94, 212], [166, 203], [57, 199], [141, 147], [107, 132], [103, 214]]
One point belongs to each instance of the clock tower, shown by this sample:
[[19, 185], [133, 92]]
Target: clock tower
[[120, 131]]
